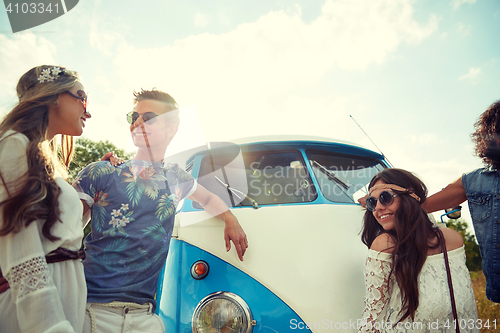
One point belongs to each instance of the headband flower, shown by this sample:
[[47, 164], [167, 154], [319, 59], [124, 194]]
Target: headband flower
[[51, 74]]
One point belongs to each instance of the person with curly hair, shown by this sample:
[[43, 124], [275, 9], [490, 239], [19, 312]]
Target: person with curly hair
[[406, 280], [481, 188]]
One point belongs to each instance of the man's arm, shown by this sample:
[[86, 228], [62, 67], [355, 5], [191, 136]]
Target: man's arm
[[216, 207], [450, 196]]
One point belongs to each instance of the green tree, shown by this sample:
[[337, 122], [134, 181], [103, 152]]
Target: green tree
[[473, 257], [88, 151]]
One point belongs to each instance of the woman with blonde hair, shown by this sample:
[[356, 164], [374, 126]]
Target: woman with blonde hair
[[40, 212]]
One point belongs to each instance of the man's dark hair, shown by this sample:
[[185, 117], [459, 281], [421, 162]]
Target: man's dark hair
[[487, 131]]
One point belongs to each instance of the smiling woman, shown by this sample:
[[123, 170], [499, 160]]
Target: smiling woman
[[40, 217], [405, 280]]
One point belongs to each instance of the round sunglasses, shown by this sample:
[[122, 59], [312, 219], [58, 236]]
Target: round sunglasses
[[82, 96], [147, 117], [386, 198]]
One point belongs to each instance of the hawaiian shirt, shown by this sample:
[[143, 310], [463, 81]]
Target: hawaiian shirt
[[133, 209]]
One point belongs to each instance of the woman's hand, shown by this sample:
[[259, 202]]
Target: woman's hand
[[362, 201], [112, 158]]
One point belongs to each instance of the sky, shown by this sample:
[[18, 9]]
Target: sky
[[415, 75]]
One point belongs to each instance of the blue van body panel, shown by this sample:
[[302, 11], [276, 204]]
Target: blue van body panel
[[178, 293]]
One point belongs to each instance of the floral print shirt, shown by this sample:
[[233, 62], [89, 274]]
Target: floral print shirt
[[133, 209]]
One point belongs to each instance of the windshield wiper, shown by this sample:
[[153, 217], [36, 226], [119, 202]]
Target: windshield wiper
[[235, 193], [331, 175]]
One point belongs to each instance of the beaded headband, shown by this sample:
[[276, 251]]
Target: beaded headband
[[396, 188], [52, 74]]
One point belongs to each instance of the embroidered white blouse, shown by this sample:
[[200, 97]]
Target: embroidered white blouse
[[42, 297], [383, 297]]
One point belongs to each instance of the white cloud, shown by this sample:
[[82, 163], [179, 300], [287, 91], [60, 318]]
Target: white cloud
[[20, 52], [472, 76], [258, 61], [457, 3], [200, 20], [105, 35], [252, 69], [348, 34]]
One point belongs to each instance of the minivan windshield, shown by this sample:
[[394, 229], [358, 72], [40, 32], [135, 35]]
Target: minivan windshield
[[342, 178]]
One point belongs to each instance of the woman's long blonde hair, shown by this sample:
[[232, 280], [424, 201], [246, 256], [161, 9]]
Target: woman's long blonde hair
[[37, 197]]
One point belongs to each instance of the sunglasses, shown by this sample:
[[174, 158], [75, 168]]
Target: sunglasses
[[148, 116], [82, 96], [386, 198]]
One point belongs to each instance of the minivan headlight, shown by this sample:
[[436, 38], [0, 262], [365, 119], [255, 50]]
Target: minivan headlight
[[220, 312]]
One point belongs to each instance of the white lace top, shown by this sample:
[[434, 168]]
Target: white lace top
[[42, 297], [383, 297]]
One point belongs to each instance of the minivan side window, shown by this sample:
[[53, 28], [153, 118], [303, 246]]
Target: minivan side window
[[269, 177]]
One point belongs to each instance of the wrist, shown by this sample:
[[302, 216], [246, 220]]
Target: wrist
[[228, 217]]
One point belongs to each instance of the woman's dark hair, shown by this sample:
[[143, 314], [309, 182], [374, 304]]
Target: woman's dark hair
[[412, 234], [487, 130], [35, 195]]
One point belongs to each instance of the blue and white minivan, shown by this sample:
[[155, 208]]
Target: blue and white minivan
[[296, 199]]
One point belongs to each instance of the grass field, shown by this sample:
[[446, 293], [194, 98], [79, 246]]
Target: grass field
[[486, 309]]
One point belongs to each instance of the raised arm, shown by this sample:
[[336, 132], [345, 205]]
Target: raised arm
[[216, 207], [450, 196]]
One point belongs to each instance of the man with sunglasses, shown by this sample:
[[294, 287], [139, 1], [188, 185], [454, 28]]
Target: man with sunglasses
[[481, 188], [133, 208]]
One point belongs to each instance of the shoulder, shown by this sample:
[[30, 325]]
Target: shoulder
[[479, 181], [383, 243], [480, 172], [98, 170], [452, 238], [98, 165], [14, 138], [176, 171], [172, 167], [107, 164], [13, 146]]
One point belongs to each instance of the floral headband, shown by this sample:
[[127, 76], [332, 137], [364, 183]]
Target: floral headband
[[396, 188], [52, 74]]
